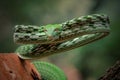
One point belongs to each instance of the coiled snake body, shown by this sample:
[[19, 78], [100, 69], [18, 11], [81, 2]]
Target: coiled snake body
[[51, 39]]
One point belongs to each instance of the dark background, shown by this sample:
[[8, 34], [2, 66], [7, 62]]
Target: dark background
[[85, 63]]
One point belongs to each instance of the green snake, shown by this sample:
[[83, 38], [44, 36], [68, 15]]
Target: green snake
[[51, 39]]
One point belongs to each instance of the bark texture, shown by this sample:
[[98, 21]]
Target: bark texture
[[113, 73], [14, 68]]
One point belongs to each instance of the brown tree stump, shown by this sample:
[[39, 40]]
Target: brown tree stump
[[14, 68]]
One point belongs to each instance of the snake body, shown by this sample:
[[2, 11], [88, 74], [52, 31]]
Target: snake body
[[51, 39], [49, 71]]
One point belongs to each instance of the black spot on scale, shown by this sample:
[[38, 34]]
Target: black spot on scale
[[51, 48], [101, 18], [16, 36], [91, 22], [68, 26], [75, 25], [46, 45], [91, 25], [108, 21], [26, 37], [33, 39], [41, 35], [39, 49], [89, 19], [35, 29], [35, 50], [82, 23], [21, 38], [78, 21], [19, 30], [33, 34], [28, 31]]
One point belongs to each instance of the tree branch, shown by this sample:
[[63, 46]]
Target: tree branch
[[14, 68]]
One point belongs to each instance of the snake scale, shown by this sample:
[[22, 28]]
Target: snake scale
[[51, 39]]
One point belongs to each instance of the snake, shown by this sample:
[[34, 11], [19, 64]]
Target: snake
[[42, 41]]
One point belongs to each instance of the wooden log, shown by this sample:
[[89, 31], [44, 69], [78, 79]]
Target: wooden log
[[14, 68]]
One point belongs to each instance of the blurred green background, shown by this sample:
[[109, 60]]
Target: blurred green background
[[85, 63]]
